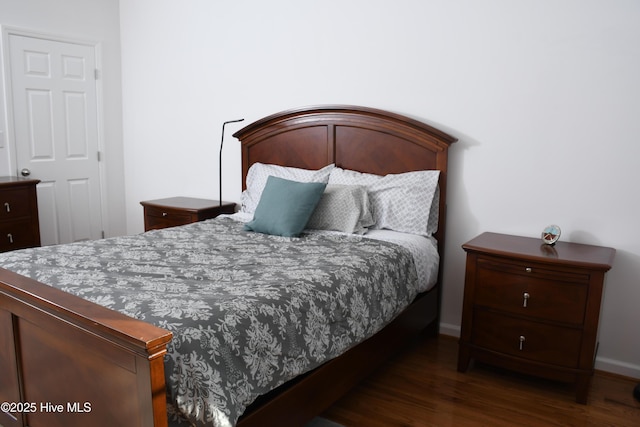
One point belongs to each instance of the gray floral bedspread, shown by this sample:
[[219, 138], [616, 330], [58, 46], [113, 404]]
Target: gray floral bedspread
[[248, 311]]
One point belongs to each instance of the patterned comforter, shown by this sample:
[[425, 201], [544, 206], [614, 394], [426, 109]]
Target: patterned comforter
[[248, 311]]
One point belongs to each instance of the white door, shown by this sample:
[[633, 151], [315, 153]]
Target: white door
[[55, 128]]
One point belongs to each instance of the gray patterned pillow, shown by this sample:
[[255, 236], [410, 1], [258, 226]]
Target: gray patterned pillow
[[342, 208], [400, 202], [434, 214], [259, 172]]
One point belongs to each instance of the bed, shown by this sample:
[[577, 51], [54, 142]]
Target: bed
[[68, 360]]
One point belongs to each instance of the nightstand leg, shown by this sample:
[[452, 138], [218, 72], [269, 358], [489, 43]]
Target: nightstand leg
[[582, 388]]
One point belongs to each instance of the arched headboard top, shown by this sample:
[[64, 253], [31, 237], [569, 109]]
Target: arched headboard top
[[358, 138], [344, 114], [352, 137]]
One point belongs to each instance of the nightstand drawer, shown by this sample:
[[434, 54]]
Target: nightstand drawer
[[174, 211], [15, 204], [540, 342], [532, 291], [163, 218], [531, 270]]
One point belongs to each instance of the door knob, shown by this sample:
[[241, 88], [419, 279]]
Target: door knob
[[25, 172]]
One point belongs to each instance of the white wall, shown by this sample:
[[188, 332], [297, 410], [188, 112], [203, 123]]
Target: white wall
[[87, 20], [544, 97]]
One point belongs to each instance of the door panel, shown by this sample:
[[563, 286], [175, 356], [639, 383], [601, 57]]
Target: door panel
[[39, 119], [55, 115]]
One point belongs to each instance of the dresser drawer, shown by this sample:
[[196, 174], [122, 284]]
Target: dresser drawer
[[532, 291], [18, 234], [14, 203], [529, 340], [163, 218]]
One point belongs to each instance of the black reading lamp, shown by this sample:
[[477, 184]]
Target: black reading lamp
[[220, 156]]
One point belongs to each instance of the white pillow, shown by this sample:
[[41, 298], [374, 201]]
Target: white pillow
[[342, 208], [259, 172], [400, 202]]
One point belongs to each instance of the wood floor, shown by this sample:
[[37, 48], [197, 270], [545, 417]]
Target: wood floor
[[421, 387]]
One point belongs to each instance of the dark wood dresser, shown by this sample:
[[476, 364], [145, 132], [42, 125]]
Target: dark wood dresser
[[532, 307], [173, 211], [19, 225]]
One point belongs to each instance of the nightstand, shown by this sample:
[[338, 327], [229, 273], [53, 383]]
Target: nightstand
[[163, 213], [19, 223], [532, 307]]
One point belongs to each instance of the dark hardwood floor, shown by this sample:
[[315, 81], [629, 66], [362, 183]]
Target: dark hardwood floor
[[421, 387]]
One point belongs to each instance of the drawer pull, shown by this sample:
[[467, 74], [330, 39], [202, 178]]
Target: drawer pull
[[522, 340], [165, 214], [525, 298], [7, 206], [10, 237], [528, 270]]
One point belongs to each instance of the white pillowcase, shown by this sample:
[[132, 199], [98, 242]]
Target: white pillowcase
[[400, 202], [342, 208], [259, 172]]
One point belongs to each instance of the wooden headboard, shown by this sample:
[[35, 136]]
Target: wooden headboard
[[357, 138]]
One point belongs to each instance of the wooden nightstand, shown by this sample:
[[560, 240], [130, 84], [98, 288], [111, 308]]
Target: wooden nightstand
[[19, 224], [163, 213], [533, 308]]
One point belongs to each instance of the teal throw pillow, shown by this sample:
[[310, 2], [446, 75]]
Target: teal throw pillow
[[285, 207]]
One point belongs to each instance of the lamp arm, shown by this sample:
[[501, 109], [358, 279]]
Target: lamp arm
[[220, 159]]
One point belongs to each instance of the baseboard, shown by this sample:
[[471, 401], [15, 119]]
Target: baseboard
[[603, 364], [617, 367], [449, 329]]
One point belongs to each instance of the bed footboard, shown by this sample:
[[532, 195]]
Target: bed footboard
[[65, 361]]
